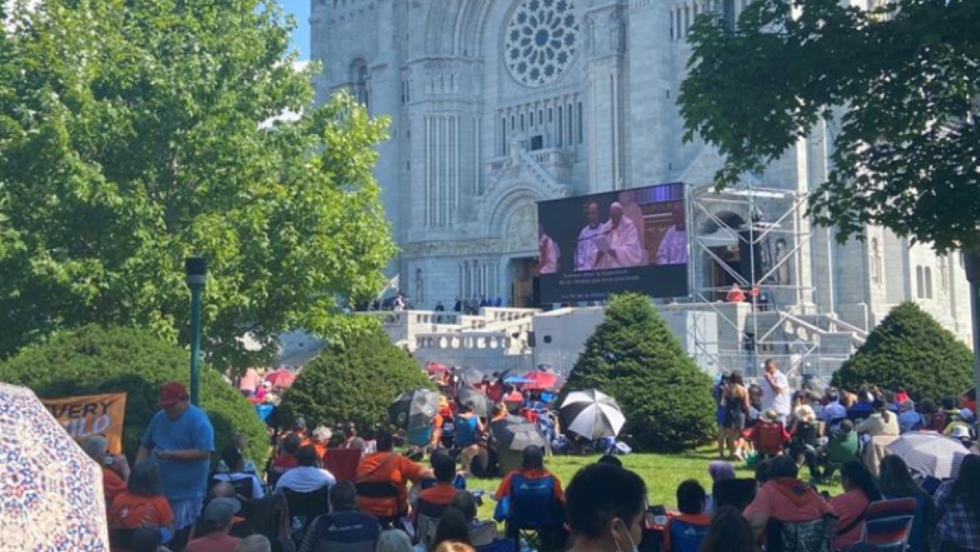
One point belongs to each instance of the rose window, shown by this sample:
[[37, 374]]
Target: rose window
[[541, 40]]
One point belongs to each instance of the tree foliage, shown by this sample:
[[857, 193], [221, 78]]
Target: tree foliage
[[135, 134], [634, 357], [93, 360], [898, 87], [910, 349], [354, 380]]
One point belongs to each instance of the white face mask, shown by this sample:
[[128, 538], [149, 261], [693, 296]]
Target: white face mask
[[629, 536]]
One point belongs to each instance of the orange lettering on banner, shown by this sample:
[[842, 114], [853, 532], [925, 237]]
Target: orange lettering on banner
[[91, 415]]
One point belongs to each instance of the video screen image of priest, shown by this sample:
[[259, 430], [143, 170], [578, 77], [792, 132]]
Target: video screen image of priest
[[590, 247]]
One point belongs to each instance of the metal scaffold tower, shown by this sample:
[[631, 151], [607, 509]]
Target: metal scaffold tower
[[750, 242]]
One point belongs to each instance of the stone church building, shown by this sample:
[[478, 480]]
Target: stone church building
[[498, 104]]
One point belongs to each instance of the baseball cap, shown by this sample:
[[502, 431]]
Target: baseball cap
[[171, 393], [220, 511]]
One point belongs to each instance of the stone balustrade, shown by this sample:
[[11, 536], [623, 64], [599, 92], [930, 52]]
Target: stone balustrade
[[483, 341]]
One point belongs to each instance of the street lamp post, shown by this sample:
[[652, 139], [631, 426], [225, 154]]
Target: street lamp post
[[971, 262], [196, 270]]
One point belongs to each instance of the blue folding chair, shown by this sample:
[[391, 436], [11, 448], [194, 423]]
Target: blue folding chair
[[533, 510], [343, 532], [686, 536]]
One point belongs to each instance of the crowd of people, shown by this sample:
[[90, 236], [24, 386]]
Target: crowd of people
[[823, 429], [334, 488]]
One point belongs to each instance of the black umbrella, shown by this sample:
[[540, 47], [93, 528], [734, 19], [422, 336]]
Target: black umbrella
[[471, 395], [516, 434], [414, 409], [469, 376]]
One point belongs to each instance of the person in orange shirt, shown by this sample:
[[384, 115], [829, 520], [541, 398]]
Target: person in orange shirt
[[387, 466], [444, 491], [142, 504], [321, 440], [115, 469], [532, 467]]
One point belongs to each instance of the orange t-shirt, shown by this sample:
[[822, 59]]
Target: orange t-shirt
[[112, 485], [387, 467], [321, 450], [129, 511], [440, 494], [504, 489]]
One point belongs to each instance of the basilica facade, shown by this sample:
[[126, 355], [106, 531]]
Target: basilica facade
[[498, 104]]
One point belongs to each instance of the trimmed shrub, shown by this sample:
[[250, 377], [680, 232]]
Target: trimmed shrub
[[634, 357], [353, 381], [93, 360], [910, 349]]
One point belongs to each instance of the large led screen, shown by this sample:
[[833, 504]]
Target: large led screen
[[593, 246]]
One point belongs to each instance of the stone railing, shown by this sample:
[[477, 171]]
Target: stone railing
[[482, 340], [556, 159]]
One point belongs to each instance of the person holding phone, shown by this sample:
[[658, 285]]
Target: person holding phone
[[180, 440]]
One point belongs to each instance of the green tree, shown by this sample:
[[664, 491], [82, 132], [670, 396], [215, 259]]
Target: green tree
[[633, 357], [910, 349], [906, 144], [135, 134], [354, 380], [94, 360]]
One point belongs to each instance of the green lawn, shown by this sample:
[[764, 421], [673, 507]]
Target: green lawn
[[662, 473]]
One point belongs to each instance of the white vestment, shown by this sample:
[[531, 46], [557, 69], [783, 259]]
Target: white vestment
[[586, 251], [625, 241], [549, 253], [673, 248]]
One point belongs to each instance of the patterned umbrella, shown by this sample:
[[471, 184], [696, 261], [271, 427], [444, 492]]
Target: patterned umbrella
[[592, 414], [50, 491], [481, 403], [929, 453], [414, 409], [516, 434]]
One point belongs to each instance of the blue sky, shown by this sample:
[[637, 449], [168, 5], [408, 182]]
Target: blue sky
[[300, 9]]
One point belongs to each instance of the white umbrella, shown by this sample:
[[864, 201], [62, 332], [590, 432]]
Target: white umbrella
[[51, 490], [929, 453], [592, 414]]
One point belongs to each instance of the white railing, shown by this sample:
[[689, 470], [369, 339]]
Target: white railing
[[491, 341]]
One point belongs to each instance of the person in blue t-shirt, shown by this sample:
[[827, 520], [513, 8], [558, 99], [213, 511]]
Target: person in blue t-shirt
[[469, 428], [180, 439]]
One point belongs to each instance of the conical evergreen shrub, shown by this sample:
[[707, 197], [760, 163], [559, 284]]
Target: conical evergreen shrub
[[634, 357], [353, 381], [910, 350]]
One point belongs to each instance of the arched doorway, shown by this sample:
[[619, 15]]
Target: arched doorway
[[520, 231], [723, 253]]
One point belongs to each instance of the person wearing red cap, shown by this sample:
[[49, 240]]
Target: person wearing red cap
[[180, 439]]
